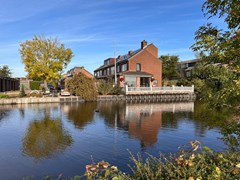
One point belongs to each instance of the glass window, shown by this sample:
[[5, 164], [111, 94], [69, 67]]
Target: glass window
[[124, 67], [112, 70], [138, 67]]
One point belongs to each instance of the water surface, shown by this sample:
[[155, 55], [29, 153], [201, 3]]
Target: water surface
[[52, 139]]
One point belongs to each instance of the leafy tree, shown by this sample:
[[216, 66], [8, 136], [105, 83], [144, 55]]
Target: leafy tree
[[218, 46], [44, 59], [5, 71], [169, 66], [229, 9], [220, 87], [81, 85]]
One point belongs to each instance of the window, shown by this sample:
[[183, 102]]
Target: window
[[124, 67], [138, 67], [112, 70], [118, 68]]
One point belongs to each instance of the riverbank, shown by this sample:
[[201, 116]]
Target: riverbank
[[140, 98]]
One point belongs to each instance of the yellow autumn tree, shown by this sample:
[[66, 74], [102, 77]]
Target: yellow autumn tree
[[44, 58]]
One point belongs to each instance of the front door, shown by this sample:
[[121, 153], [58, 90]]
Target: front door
[[144, 81]]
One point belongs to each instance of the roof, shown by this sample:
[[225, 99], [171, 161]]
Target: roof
[[125, 57], [136, 73], [189, 61]]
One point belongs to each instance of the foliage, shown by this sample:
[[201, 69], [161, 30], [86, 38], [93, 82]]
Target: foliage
[[216, 84], [117, 90], [34, 85], [218, 45], [5, 71], [169, 66], [81, 85], [103, 170], [231, 136], [228, 9], [105, 87], [44, 59], [191, 162], [4, 96], [22, 91]]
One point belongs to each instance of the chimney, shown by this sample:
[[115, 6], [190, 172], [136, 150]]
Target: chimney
[[143, 44]]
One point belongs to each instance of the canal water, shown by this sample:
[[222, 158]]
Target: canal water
[[52, 139]]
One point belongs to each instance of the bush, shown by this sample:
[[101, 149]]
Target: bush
[[105, 88], [22, 91], [117, 90], [81, 85], [191, 163], [4, 96], [35, 85]]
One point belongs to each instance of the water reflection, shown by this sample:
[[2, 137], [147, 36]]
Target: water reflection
[[45, 138], [142, 121], [80, 114]]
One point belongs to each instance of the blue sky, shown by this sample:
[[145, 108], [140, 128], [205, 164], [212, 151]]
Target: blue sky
[[92, 28]]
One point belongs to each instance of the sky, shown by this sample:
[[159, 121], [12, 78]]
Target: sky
[[94, 28]]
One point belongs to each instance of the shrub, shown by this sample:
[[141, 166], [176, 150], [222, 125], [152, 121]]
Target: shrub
[[117, 90], [4, 96], [190, 163], [105, 88], [22, 91], [81, 85]]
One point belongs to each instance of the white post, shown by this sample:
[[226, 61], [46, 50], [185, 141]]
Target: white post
[[173, 87], [126, 89], [192, 88]]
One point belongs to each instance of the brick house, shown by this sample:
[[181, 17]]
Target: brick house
[[72, 72], [139, 68], [77, 70]]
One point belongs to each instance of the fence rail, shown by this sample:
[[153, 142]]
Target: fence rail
[[159, 90]]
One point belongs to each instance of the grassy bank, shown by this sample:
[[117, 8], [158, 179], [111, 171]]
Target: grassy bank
[[192, 162]]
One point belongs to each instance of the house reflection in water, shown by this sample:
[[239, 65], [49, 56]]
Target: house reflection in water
[[142, 121]]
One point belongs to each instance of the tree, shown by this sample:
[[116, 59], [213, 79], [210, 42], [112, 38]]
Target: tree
[[44, 59], [230, 9], [169, 66], [5, 71], [218, 45], [222, 84], [81, 85]]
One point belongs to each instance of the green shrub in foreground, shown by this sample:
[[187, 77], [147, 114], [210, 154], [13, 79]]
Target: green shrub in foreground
[[4, 96], [188, 164]]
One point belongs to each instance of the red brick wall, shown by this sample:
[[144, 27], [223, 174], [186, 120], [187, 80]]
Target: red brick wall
[[149, 61], [83, 71]]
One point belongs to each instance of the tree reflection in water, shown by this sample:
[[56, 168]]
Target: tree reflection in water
[[45, 138], [81, 114]]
